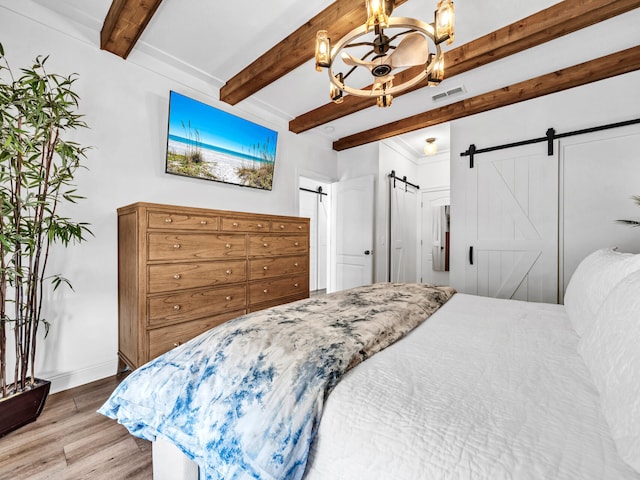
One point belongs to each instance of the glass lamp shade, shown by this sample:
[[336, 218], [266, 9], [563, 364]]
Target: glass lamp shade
[[323, 50], [437, 73], [335, 93], [384, 101], [378, 12], [430, 148], [445, 13]]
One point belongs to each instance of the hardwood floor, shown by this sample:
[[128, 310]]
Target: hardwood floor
[[70, 441]]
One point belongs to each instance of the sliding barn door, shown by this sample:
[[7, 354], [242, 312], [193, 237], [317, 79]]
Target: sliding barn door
[[513, 224], [600, 172], [404, 232]]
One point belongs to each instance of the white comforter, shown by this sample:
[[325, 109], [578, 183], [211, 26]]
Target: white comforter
[[484, 389]]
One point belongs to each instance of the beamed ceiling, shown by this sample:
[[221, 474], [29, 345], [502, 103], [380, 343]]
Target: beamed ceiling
[[503, 54]]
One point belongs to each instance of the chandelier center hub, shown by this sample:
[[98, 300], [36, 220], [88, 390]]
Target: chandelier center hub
[[381, 70]]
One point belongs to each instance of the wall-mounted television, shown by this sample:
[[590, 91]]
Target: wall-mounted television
[[208, 143]]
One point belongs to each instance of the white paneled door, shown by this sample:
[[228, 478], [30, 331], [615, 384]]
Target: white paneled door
[[354, 232], [513, 224]]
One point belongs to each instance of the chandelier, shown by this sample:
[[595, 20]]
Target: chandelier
[[382, 46]]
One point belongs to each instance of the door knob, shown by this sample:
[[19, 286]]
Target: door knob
[[368, 252]]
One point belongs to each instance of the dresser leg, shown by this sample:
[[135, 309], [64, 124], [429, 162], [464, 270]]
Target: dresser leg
[[122, 366]]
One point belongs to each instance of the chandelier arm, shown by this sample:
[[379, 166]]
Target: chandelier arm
[[344, 77], [359, 44], [398, 34]]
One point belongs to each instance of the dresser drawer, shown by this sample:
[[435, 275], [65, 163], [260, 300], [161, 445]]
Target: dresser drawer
[[163, 339], [240, 224], [178, 276], [276, 302], [195, 304], [290, 227], [276, 266], [277, 245], [267, 290], [182, 221], [195, 246]]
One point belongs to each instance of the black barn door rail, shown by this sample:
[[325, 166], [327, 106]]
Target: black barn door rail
[[549, 137]]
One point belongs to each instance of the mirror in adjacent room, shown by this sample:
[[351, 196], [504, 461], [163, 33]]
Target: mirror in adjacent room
[[440, 239]]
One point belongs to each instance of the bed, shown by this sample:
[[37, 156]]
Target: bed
[[466, 388]]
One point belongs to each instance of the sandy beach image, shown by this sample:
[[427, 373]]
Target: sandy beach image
[[221, 165]]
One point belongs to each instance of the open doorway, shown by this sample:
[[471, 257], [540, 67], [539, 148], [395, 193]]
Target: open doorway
[[315, 203]]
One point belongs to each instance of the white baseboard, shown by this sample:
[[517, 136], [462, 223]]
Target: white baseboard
[[65, 381]]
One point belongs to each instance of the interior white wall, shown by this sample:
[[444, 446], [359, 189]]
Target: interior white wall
[[607, 101], [435, 172], [358, 161], [126, 103]]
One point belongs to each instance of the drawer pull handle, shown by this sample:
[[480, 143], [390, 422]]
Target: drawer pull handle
[[295, 285], [203, 222], [296, 264], [235, 224], [265, 290], [299, 227], [228, 245], [265, 245], [177, 344], [296, 244], [177, 276], [282, 227], [259, 225], [228, 272], [176, 307], [177, 245], [227, 298], [167, 220], [265, 268]]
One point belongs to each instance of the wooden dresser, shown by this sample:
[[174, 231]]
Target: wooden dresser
[[182, 271]]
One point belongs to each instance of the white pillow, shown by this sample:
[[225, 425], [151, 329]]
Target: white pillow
[[592, 281], [611, 350]]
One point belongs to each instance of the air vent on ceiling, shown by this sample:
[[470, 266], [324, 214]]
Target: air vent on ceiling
[[448, 93]]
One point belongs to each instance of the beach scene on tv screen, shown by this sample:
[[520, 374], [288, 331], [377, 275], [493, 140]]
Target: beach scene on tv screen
[[205, 142]]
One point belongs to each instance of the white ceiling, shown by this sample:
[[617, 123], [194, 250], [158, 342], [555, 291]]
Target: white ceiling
[[215, 40]]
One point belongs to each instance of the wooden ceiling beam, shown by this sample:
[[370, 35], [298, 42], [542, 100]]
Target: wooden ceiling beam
[[124, 23], [546, 25], [338, 19], [608, 66]]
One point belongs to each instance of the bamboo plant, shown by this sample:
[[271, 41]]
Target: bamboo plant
[[38, 110], [633, 223]]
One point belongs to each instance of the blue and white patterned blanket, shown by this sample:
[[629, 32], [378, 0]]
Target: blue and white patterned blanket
[[244, 399]]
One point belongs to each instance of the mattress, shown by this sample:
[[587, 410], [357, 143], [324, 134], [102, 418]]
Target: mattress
[[484, 389]]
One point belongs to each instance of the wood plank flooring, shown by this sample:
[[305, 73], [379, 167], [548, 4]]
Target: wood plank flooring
[[70, 441]]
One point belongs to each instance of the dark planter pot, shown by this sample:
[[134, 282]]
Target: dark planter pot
[[24, 407]]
